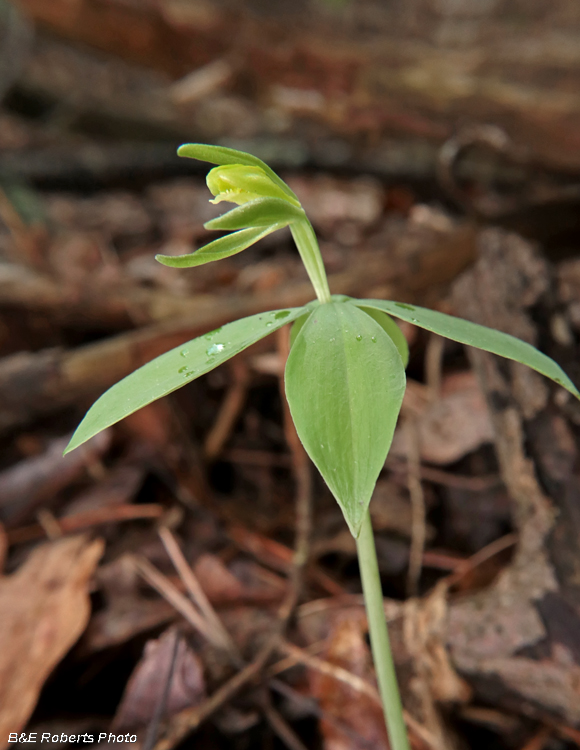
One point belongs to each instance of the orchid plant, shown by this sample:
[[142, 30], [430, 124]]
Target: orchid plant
[[344, 377]]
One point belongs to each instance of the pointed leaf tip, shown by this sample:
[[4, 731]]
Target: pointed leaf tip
[[478, 336], [176, 368], [345, 383], [223, 247]]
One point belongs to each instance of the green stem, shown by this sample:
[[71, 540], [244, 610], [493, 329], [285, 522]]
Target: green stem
[[383, 658], [307, 245]]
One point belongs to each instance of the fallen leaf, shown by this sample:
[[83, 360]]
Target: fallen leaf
[[44, 607], [352, 709], [36, 481], [147, 684], [454, 424]]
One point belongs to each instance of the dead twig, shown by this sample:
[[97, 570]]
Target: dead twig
[[86, 520], [434, 364], [279, 725], [418, 528], [314, 709], [49, 524], [4, 544], [538, 740], [466, 566], [230, 410], [445, 478], [356, 683], [186, 721], [168, 591], [197, 593], [331, 670]]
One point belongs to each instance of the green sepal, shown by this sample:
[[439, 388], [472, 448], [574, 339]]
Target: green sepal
[[473, 334], [177, 367], [223, 155], [220, 248], [257, 213], [344, 384]]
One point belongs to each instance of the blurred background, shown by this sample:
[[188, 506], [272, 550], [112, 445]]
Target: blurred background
[[435, 145]]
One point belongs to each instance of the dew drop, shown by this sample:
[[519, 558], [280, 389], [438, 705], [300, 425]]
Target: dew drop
[[182, 369], [374, 339], [404, 306], [282, 314], [269, 324], [184, 352], [358, 337], [215, 349]]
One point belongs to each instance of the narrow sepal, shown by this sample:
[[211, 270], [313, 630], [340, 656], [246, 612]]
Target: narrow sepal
[[223, 155], [220, 248], [257, 213]]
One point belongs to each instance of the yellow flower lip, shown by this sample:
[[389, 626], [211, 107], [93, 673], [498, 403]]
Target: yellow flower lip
[[237, 183]]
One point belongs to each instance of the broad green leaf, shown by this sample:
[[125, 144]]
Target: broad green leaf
[[258, 213], [220, 248], [391, 328], [223, 155], [345, 383], [296, 328], [473, 334], [177, 367]]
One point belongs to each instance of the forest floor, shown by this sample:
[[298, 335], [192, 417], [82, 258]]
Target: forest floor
[[148, 583]]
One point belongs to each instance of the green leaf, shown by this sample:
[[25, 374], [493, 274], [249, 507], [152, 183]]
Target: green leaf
[[296, 328], [223, 155], [345, 383], [473, 334], [176, 368], [257, 213], [390, 328], [220, 248]]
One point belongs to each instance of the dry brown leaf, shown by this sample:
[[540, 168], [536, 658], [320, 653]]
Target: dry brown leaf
[[354, 710], [44, 607], [36, 481], [455, 423], [147, 684]]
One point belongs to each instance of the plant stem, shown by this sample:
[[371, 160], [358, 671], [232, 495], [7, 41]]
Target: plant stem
[[382, 656], [307, 245]]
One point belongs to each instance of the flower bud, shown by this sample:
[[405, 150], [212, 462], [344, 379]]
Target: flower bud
[[239, 184]]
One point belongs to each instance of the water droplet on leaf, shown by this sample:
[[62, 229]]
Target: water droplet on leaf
[[182, 369], [184, 352], [282, 314], [215, 349], [358, 337], [211, 334], [404, 306]]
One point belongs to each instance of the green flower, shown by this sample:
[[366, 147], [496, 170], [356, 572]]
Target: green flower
[[264, 204], [238, 183]]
